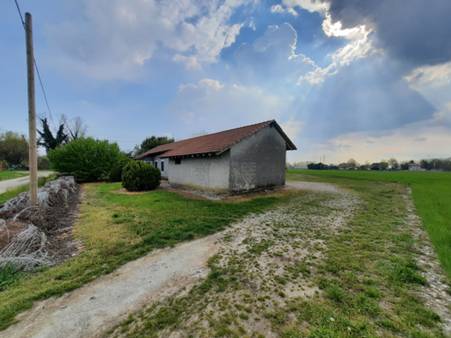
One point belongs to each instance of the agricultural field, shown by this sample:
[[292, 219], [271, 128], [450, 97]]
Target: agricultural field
[[431, 193], [10, 174]]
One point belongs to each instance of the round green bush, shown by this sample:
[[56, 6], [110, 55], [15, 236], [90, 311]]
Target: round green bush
[[87, 159], [140, 176]]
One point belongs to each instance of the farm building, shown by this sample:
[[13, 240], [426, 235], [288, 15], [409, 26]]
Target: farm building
[[239, 159]]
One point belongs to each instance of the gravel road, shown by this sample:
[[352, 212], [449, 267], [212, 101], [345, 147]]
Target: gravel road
[[17, 182]]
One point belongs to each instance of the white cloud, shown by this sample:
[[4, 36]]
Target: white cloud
[[209, 105], [359, 46], [113, 39], [416, 141], [309, 5], [279, 9], [190, 62], [436, 76], [434, 83]]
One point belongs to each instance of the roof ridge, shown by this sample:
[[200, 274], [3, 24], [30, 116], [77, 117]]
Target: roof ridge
[[224, 131], [216, 142]]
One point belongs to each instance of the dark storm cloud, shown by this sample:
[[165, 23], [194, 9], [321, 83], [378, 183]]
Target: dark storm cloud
[[417, 32], [369, 96]]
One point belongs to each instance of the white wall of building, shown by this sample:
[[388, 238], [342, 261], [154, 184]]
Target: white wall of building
[[208, 172]]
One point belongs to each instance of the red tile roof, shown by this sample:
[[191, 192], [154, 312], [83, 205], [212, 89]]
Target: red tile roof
[[215, 143]]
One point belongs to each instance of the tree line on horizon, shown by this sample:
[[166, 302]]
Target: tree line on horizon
[[435, 164]]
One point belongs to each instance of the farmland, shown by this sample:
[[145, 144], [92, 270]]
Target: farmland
[[431, 193]]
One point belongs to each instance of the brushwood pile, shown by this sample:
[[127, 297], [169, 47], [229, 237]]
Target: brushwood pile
[[25, 229]]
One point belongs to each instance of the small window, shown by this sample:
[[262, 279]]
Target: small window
[[162, 165], [155, 164], [178, 161]]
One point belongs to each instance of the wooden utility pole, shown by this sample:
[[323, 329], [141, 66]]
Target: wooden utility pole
[[32, 144]]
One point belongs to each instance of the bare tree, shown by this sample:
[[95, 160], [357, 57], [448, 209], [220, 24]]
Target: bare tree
[[75, 127]]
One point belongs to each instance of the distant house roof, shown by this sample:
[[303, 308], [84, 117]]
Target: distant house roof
[[215, 143]]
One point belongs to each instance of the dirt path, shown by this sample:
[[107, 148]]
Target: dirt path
[[88, 311], [314, 186], [263, 262], [96, 307], [17, 182]]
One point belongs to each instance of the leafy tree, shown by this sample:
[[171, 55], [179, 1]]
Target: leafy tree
[[352, 164], [383, 165], [404, 166], [86, 158], [48, 140], [13, 148], [152, 142], [393, 164], [118, 167], [425, 164]]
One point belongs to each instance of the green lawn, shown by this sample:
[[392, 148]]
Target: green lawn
[[116, 228], [431, 194], [9, 174]]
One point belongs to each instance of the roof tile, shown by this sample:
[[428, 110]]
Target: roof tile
[[212, 143]]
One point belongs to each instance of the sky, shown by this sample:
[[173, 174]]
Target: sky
[[368, 80]]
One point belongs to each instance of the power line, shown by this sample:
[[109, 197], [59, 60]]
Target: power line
[[20, 13], [41, 82]]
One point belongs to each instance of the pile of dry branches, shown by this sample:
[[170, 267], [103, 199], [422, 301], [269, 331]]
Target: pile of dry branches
[[27, 249]]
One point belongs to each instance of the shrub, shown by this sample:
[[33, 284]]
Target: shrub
[[139, 176], [43, 163], [117, 168], [3, 165], [85, 158]]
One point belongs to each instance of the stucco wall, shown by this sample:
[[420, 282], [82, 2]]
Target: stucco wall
[[156, 161], [258, 161], [210, 173]]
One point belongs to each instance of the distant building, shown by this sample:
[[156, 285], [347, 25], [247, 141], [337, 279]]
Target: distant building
[[244, 158], [415, 167]]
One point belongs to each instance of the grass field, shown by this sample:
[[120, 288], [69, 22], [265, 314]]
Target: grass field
[[431, 194], [9, 174], [116, 228], [364, 276]]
